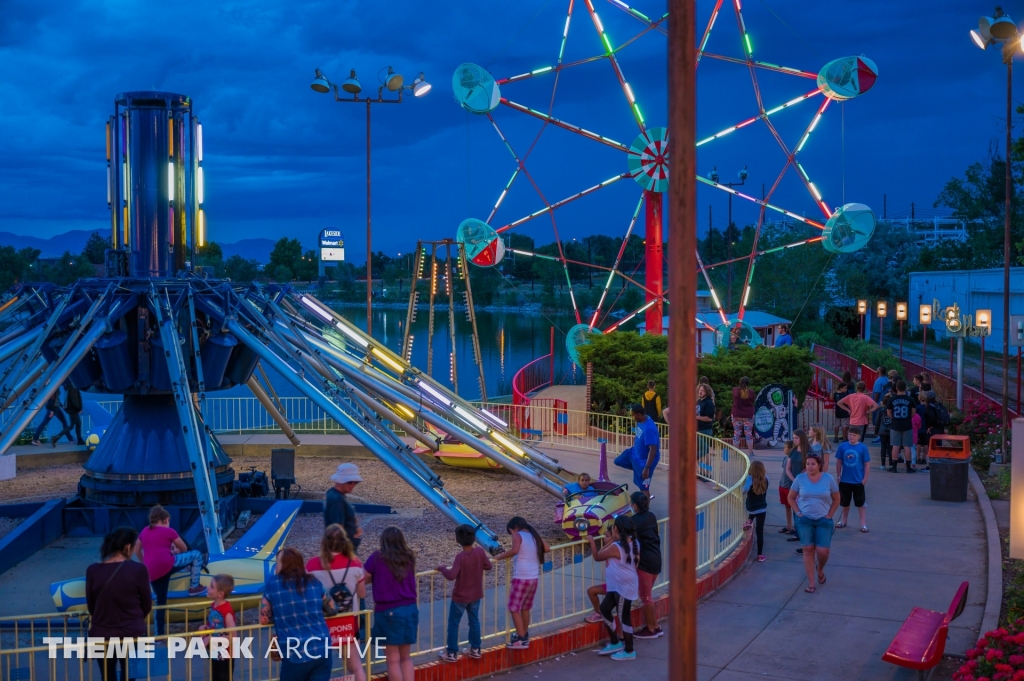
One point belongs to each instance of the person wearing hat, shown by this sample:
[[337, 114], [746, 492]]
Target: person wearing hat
[[642, 457], [337, 510]]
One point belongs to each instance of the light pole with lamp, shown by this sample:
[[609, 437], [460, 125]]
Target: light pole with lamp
[[393, 83], [862, 310], [901, 316], [983, 327], [992, 30], [924, 318], [957, 326], [881, 310], [729, 230]]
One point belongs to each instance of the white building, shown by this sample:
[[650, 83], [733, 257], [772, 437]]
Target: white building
[[973, 290]]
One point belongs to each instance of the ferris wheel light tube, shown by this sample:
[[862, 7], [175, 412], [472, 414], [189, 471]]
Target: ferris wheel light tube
[[425, 387], [471, 419], [493, 418]]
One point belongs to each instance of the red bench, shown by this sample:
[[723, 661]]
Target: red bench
[[921, 641]]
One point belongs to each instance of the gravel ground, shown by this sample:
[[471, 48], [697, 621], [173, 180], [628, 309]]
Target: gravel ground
[[494, 497]]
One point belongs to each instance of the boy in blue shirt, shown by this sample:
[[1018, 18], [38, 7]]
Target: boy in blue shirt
[[853, 464], [642, 458]]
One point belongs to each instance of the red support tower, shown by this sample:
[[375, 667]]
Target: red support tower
[[654, 258]]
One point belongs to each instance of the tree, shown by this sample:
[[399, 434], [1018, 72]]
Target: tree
[[306, 267], [240, 270], [95, 248], [281, 274], [286, 253], [16, 266], [68, 269], [211, 255]]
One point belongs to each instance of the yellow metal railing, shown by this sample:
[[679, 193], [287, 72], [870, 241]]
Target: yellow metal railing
[[561, 593]]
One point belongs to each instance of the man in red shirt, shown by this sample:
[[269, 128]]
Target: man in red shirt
[[860, 405]]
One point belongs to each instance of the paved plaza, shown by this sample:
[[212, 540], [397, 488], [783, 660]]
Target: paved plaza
[[763, 626]]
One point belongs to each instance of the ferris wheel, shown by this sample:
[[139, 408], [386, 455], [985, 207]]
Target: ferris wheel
[[842, 229]]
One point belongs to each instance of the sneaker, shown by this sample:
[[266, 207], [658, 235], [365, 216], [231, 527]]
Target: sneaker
[[623, 656], [892, 469], [747, 525], [519, 644], [611, 648], [448, 657], [877, 441], [647, 633], [926, 468], [37, 443], [911, 470], [593, 617], [762, 558], [196, 590], [474, 653]]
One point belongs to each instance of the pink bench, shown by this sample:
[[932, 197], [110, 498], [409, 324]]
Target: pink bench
[[921, 641]]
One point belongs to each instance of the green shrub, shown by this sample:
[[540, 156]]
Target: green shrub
[[789, 365]]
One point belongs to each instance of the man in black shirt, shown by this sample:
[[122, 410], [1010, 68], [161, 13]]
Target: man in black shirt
[[337, 510], [901, 411]]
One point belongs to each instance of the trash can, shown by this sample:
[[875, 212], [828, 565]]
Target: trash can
[[948, 479]]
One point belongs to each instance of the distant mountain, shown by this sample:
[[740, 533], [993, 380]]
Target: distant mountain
[[74, 242], [250, 249], [54, 247]]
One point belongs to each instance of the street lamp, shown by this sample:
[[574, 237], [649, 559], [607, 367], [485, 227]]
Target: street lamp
[[983, 327], [992, 30], [956, 327], [881, 309], [392, 83], [924, 318], [862, 310], [729, 231], [901, 316]]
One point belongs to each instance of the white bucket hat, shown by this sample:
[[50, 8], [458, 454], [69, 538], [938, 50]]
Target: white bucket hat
[[347, 472]]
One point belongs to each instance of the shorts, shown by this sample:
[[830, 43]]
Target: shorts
[[842, 421], [784, 496], [861, 428], [851, 489], [645, 585], [901, 438], [815, 532], [520, 596], [397, 626], [922, 438]]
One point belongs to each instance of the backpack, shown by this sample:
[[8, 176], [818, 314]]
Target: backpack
[[340, 593], [942, 415]]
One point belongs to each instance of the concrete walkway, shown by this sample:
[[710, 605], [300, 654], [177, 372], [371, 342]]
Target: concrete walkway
[[762, 624]]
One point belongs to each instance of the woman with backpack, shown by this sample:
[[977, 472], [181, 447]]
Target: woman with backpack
[[936, 418], [341, 573]]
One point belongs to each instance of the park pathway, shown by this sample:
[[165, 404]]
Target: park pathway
[[762, 625]]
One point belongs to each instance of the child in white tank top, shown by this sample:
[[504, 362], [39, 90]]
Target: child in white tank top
[[528, 548], [622, 554]]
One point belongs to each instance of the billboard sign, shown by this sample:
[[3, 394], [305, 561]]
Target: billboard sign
[[332, 245]]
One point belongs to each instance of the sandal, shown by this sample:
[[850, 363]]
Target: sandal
[[809, 590], [864, 529], [786, 530], [840, 525], [821, 578], [747, 525]]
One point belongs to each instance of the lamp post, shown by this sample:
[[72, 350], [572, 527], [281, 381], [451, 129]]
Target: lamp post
[[991, 30], [901, 316], [983, 326], [393, 83], [729, 231], [924, 318], [862, 309], [956, 327], [881, 309]]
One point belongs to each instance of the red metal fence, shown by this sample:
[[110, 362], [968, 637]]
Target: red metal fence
[[532, 377]]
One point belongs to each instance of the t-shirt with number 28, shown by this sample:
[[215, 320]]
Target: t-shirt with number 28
[[902, 407]]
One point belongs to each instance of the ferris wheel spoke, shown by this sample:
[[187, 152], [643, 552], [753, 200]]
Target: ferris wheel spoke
[[763, 65], [567, 126], [640, 16], [765, 115], [558, 204], [610, 53], [618, 259], [707, 32], [711, 288], [760, 202], [504, 193], [642, 308]]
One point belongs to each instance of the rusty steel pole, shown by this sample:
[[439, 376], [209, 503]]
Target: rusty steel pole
[[682, 355]]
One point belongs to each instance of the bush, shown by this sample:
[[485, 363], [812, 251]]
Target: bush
[[998, 656], [790, 365], [871, 355], [979, 421], [624, 362]]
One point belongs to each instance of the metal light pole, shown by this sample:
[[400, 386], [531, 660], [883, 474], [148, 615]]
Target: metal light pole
[[1000, 28], [880, 312], [862, 310], [924, 318], [392, 82], [713, 176], [901, 316], [682, 360]]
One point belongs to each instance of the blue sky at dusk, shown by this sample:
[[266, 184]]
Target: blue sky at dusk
[[281, 159]]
